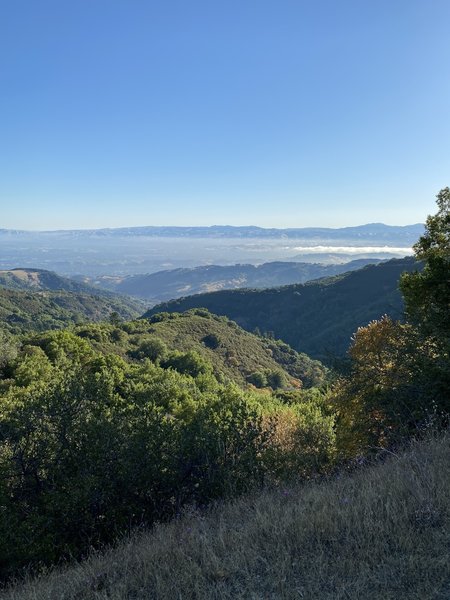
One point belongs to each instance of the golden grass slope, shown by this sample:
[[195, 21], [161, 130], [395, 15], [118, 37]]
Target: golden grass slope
[[380, 533]]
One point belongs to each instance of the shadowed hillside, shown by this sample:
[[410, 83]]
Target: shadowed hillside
[[167, 285], [318, 317]]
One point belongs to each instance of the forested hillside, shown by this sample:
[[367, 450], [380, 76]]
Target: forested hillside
[[108, 426], [196, 340], [233, 352], [35, 311], [318, 317]]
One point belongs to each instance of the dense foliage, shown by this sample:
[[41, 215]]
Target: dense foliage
[[318, 317], [93, 444], [105, 427], [22, 311], [399, 380], [233, 352], [427, 294]]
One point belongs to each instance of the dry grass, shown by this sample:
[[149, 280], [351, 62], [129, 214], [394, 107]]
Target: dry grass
[[379, 533]]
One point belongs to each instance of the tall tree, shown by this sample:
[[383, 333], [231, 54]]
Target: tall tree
[[427, 294]]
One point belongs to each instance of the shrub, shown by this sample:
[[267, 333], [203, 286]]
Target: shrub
[[258, 379], [153, 348], [211, 341], [189, 363]]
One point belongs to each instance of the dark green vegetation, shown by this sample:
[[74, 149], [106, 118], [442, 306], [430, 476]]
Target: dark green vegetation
[[427, 294], [167, 285], [108, 427], [318, 317], [36, 311], [93, 443], [381, 533], [36, 299], [233, 352], [400, 373]]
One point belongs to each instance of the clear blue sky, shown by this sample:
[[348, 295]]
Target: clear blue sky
[[274, 113]]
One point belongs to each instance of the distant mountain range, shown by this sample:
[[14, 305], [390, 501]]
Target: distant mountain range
[[318, 317], [136, 250], [171, 284], [376, 231]]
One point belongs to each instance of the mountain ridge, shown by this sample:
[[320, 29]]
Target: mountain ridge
[[318, 317], [170, 284], [379, 229]]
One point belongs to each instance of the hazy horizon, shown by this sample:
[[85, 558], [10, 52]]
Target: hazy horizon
[[211, 226]]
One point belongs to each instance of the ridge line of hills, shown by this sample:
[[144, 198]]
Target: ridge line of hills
[[318, 317], [36, 299], [373, 229], [40, 300], [169, 284]]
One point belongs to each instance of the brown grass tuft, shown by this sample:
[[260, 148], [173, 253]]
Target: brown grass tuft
[[380, 533]]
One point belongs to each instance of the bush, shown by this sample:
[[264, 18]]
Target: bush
[[188, 363], [97, 445], [153, 348], [276, 379], [258, 379], [93, 445], [211, 341]]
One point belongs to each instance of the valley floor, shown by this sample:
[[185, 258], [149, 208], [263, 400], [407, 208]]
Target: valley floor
[[381, 532]]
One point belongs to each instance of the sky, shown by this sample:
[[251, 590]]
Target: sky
[[280, 113]]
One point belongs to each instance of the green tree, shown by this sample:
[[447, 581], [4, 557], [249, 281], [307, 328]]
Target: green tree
[[115, 319], [381, 398], [189, 363], [258, 379], [153, 348], [211, 341], [427, 299], [427, 294], [276, 379]]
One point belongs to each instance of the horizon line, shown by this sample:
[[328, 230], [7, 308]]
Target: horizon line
[[124, 227]]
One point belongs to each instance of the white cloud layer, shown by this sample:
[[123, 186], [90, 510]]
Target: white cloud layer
[[354, 250]]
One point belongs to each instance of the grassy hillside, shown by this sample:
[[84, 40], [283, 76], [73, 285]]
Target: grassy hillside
[[235, 354], [167, 285], [381, 532], [41, 280], [318, 317], [36, 311]]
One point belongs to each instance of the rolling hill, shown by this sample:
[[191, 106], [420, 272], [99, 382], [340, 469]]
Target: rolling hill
[[234, 353], [318, 317], [34, 280], [22, 311], [171, 284]]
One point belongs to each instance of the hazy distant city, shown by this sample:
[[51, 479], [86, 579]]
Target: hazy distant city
[[121, 252]]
